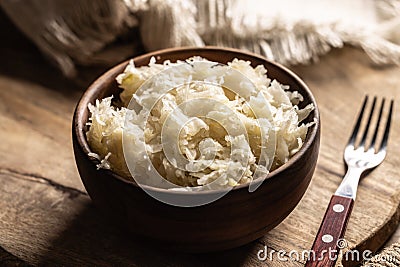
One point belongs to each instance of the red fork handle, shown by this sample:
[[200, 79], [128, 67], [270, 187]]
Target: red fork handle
[[328, 241]]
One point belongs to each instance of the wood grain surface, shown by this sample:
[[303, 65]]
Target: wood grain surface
[[46, 216]]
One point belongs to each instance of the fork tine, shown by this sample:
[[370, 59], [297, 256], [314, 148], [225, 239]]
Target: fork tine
[[357, 126], [378, 123], [387, 128], [364, 137]]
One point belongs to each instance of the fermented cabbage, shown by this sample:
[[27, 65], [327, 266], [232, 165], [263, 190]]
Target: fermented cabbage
[[197, 123]]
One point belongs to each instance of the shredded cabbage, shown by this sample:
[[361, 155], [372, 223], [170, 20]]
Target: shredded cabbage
[[198, 133]]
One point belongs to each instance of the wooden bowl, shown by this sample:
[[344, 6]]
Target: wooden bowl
[[235, 219]]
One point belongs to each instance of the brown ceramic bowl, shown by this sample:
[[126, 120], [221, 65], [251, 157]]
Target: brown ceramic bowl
[[235, 219]]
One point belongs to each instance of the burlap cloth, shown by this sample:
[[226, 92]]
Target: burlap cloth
[[389, 256], [83, 32]]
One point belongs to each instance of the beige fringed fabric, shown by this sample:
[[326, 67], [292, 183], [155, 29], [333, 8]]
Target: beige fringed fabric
[[71, 31], [288, 31], [389, 257]]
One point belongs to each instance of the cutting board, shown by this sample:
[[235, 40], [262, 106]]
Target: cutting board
[[47, 217]]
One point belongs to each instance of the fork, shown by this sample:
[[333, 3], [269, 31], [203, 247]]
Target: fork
[[329, 239]]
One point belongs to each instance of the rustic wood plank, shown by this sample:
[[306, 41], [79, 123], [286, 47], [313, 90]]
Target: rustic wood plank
[[339, 84], [47, 217], [7, 259], [59, 226]]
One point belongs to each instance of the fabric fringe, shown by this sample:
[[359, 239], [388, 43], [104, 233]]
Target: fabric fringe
[[73, 32], [300, 41]]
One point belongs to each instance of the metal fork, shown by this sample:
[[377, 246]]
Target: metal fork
[[329, 240]]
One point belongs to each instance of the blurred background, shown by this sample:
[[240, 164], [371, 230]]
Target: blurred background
[[85, 33]]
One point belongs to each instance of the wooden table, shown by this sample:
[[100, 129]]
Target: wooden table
[[46, 216]]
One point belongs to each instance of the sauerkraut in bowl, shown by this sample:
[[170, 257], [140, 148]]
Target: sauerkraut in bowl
[[197, 124]]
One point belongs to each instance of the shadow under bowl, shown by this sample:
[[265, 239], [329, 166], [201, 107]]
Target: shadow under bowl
[[233, 220]]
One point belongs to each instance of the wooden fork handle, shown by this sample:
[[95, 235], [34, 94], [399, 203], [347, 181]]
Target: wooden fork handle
[[329, 239]]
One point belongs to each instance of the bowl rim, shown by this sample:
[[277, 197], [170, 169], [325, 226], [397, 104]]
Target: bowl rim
[[89, 93]]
